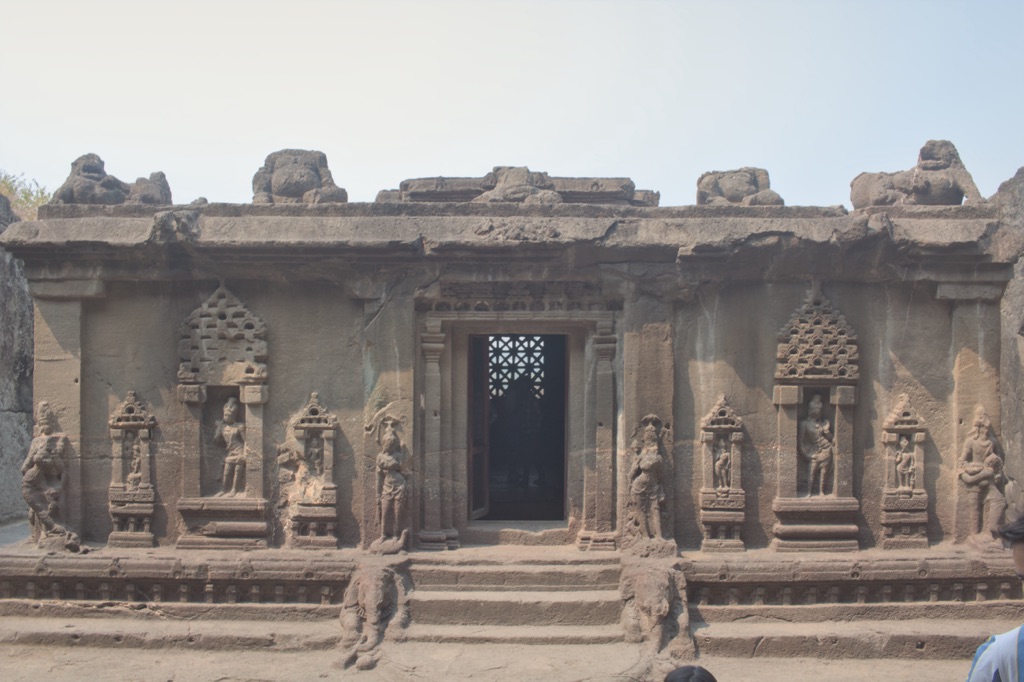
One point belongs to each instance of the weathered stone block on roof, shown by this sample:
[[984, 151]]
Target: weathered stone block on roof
[[518, 184], [745, 187], [296, 176], [939, 179], [89, 183]]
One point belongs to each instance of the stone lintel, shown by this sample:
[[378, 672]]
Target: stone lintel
[[67, 289], [963, 291]]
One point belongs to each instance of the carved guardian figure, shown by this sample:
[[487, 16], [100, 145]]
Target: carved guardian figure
[[44, 481]]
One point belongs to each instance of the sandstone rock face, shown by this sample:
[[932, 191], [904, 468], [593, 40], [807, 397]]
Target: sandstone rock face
[[939, 179], [743, 187], [296, 176], [15, 375], [90, 184]]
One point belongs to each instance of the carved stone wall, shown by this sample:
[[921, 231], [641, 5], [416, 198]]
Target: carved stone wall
[[15, 375]]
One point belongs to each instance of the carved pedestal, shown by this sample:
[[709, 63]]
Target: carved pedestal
[[223, 523], [131, 497], [904, 498], [722, 498]]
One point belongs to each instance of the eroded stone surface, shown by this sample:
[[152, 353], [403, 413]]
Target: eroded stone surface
[[296, 176], [939, 179], [744, 187], [89, 183]]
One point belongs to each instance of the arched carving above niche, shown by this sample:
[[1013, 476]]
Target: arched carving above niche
[[222, 343]]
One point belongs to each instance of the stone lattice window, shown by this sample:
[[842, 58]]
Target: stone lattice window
[[515, 356]]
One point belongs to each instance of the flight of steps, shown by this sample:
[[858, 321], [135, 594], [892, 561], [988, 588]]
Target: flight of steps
[[561, 597]]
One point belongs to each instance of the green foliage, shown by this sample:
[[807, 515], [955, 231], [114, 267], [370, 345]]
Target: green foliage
[[26, 195]]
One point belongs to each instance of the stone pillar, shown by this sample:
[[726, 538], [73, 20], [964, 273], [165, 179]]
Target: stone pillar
[[58, 371], [192, 397], [253, 398], [976, 329], [432, 535], [599, 501]]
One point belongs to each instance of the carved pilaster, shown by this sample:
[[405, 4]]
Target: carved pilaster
[[432, 535], [598, 530]]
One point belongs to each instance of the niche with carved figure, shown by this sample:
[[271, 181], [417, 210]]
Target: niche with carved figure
[[815, 393], [222, 387]]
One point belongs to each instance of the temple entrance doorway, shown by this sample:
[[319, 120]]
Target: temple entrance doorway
[[517, 407]]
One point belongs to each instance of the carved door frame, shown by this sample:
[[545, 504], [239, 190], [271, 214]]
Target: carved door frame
[[589, 418]]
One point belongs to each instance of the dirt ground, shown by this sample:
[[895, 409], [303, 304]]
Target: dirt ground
[[430, 662]]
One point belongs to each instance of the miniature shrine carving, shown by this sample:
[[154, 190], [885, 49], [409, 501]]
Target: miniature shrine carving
[[44, 483], [904, 498], [132, 496], [392, 487], [722, 498], [307, 494]]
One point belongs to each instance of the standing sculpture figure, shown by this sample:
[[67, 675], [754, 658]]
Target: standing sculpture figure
[[905, 464], [816, 446], [723, 465], [230, 435], [44, 479], [645, 486], [392, 477], [981, 470]]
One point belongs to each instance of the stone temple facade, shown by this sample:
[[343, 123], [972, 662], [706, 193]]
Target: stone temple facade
[[675, 417]]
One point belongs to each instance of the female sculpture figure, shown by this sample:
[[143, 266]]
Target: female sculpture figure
[[645, 477], [723, 466], [230, 435], [816, 446], [905, 464]]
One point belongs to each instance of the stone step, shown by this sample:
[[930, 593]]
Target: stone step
[[133, 633], [541, 577], [501, 634], [464, 607], [923, 638]]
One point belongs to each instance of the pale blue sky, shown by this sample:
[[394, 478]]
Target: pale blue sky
[[658, 91]]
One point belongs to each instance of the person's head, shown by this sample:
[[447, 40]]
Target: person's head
[[690, 673], [1013, 535]]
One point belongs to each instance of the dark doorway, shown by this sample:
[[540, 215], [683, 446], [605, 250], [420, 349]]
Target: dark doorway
[[517, 393]]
